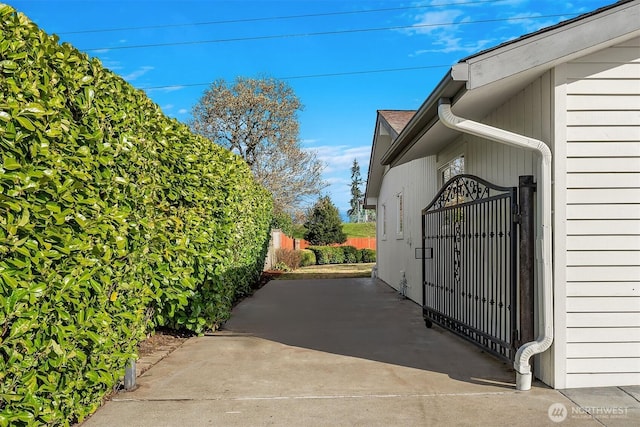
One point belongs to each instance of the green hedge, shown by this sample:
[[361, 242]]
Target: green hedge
[[113, 219], [368, 255], [307, 258], [342, 255], [328, 254], [350, 254]]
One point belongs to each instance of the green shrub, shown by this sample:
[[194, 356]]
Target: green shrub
[[336, 255], [321, 254], [350, 254], [328, 254], [113, 219], [308, 258], [368, 255], [342, 254]]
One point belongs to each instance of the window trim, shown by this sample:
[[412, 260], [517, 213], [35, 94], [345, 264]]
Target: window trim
[[442, 166], [383, 232], [400, 210]]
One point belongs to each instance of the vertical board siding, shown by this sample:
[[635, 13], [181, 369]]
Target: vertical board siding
[[525, 114], [417, 182], [603, 217]]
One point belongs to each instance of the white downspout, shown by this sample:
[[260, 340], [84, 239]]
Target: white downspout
[[545, 291]]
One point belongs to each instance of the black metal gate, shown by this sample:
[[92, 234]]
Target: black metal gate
[[469, 263]]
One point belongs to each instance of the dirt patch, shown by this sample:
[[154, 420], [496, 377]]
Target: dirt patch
[[162, 338]]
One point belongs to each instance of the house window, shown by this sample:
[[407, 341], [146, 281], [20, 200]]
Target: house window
[[399, 216], [452, 168], [449, 170]]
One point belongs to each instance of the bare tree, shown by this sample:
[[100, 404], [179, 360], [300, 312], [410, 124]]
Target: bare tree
[[257, 118]]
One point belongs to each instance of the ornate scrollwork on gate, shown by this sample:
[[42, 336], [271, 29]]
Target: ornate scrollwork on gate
[[464, 189]]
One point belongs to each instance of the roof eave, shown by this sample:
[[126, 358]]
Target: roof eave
[[372, 167], [449, 87], [388, 124], [505, 63]]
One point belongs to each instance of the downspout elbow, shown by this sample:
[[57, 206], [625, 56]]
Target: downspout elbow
[[545, 338]]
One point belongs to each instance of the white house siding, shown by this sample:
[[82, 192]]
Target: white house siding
[[416, 181], [527, 113], [603, 217]]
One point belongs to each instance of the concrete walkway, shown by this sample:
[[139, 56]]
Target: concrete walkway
[[343, 352]]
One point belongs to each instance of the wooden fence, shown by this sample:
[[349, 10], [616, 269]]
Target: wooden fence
[[287, 242], [279, 240]]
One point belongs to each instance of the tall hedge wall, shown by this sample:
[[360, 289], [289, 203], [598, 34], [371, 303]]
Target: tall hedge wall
[[113, 218]]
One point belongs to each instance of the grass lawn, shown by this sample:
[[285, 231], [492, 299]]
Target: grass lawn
[[361, 229], [331, 271]]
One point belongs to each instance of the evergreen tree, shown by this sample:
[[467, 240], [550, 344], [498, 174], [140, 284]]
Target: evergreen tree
[[323, 224], [355, 213]]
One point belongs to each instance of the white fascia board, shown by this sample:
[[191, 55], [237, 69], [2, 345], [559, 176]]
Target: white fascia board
[[371, 203], [380, 144], [460, 72], [545, 50]]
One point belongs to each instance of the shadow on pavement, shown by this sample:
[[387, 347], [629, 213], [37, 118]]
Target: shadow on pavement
[[363, 318]]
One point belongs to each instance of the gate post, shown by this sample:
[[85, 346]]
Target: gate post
[[527, 189]]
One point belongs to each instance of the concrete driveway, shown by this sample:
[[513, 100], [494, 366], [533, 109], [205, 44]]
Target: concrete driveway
[[339, 352]]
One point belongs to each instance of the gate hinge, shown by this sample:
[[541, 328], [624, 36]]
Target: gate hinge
[[517, 217]]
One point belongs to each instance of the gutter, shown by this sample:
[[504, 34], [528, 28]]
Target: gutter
[[453, 82], [521, 364]]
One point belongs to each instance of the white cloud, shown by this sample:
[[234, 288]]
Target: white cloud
[[168, 107], [448, 45], [183, 111], [430, 22], [340, 157], [337, 181], [165, 89], [445, 35], [137, 73]]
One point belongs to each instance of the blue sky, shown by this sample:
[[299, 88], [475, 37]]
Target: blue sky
[[344, 59]]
